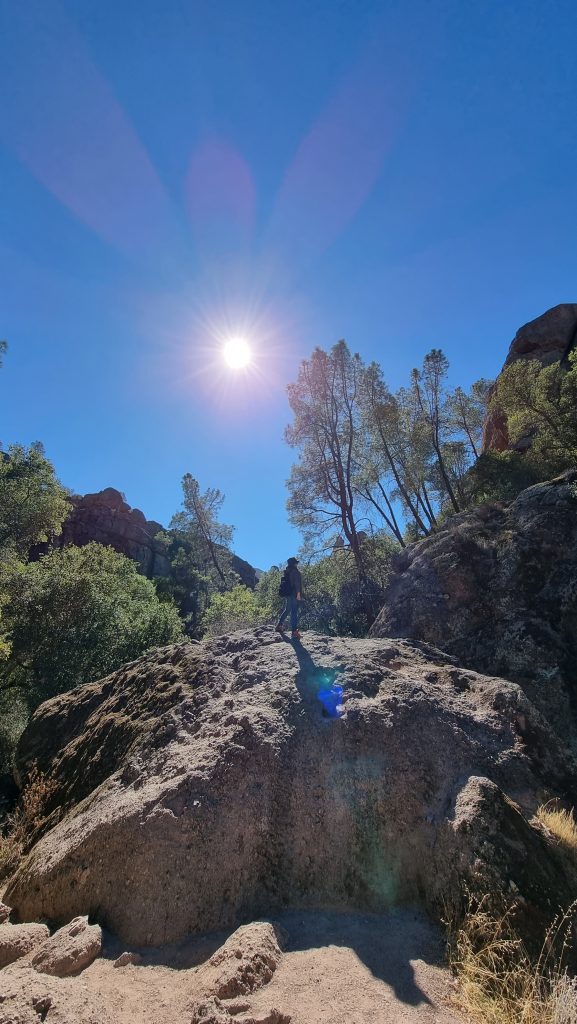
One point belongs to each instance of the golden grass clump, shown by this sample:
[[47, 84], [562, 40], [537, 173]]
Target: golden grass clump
[[561, 824], [499, 983], [27, 818]]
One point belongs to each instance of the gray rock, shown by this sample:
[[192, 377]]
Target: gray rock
[[70, 950], [497, 588], [4, 912], [230, 792], [17, 940]]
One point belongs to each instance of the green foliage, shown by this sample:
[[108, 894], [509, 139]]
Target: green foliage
[[500, 476], [33, 503], [333, 598], [76, 615], [238, 608], [201, 533], [189, 588], [540, 403]]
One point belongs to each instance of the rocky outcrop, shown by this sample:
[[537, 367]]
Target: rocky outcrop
[[548, 339], [207, 785], [106, 518], [70, 950], [497, 588], [16, 940]]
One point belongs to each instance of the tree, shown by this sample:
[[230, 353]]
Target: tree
[[238, 608], [325, 401], [3, 350], [428, 389], [188, 587], [33, 503], [540, 403], [394, 463], [75, 615], [467, 413], [208, 537]]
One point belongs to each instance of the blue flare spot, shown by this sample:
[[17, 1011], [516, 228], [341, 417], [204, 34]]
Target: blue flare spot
[[332, 701]]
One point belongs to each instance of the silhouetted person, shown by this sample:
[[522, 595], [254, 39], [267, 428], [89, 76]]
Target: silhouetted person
[[290, 588]]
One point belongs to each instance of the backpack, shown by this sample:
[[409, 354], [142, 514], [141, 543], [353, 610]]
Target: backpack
[[285, 588]]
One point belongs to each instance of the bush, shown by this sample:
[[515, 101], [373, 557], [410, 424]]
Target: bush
[[238, 608], [75, 615], [27, 819]]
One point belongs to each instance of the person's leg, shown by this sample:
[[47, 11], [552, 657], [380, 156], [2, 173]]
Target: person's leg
[[294, 613], [284, 613]]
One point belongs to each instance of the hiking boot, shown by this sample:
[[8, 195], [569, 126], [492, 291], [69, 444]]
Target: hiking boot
[[295, 634]]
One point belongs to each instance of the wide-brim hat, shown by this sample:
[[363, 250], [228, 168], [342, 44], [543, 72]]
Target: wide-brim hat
[[292, 561]]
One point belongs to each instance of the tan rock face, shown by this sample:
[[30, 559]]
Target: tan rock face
[[70, 950], [234, 793], [17, 940], [548, 339], [246, 961]]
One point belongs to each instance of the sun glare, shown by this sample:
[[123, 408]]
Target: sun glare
[[236, 353]]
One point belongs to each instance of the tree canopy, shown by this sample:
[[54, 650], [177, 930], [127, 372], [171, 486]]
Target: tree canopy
[[33, 503], [75, 615]]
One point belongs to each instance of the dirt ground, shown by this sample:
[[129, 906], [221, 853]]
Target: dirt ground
[[336, 968]]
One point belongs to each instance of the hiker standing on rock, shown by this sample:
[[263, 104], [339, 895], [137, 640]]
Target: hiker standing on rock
[[291, 589]]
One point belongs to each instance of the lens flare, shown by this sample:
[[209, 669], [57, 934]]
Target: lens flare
[[236, 353]]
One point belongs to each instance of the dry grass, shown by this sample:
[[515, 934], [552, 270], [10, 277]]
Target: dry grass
[[561, 824], [499, 983], [27, 818]]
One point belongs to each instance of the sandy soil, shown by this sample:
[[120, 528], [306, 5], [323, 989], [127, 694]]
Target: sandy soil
[[336, 968]]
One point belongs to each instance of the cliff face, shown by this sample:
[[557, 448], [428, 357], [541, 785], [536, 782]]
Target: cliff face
[[106, 518], [206, 785], [548, 339], [497, 588]]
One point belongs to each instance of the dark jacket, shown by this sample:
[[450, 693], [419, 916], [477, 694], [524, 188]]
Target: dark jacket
[[295, 579]]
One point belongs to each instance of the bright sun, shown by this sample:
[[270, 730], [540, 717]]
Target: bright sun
[[236, 353]]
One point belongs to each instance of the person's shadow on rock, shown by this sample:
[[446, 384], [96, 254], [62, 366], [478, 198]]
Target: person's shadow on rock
[[317, 685]]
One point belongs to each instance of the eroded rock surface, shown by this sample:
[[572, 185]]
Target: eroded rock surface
[[16, 940], [70, 950], [207, 785], [497, 588]]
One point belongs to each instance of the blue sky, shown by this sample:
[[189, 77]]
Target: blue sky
[[402, 175]]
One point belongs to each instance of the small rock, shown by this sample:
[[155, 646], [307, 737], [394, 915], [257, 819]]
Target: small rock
[[17, 940], [70, 950], [4, 912], [127, 958]]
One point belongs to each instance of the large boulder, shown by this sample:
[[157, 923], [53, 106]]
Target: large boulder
[[548, 339], [203, 786], [497, 588]]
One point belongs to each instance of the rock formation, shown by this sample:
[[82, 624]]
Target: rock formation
[[548, 339], [497, 588], [70, 950], [205, 785], [106, 518]]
